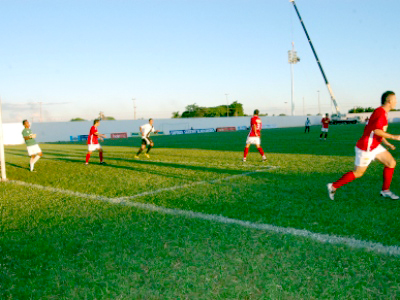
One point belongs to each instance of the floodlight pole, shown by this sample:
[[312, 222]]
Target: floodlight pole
[[2, 156], [293, 59]]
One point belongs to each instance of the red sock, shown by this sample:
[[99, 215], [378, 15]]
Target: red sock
[[246, 150], [101, 156], [87, 157], [387, 178], [261, 151], [345, 179]]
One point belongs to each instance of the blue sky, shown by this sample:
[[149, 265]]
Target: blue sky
[[82, 57]]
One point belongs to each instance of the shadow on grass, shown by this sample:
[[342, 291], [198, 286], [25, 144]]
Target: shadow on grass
[[62, 156]]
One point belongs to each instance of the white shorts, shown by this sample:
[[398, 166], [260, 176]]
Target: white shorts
[[33, 150], [324, 129], [92, 147], [364, 158], [254, 140]]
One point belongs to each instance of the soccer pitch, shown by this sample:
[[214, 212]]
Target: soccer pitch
[[195, 222]]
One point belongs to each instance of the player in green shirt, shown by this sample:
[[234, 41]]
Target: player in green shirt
[[33, 148]]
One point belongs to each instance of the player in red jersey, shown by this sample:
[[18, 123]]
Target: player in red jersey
[[93, 142], [369, 148], [254, 136], [325, 126]]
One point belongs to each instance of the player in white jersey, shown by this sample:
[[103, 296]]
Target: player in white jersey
[[145, 131]]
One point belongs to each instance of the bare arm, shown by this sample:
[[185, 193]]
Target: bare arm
[[100, 135], [255, 129], [385, 135]]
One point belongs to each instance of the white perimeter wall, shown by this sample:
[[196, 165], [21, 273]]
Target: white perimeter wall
[[61, 131]]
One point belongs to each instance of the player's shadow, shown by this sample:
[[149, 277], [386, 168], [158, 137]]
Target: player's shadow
[[69, 157]]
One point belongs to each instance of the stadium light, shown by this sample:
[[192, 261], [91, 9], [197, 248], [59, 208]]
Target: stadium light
[[293, 59]]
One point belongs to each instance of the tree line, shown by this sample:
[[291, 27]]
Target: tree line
[[234, 109], [360, 109]]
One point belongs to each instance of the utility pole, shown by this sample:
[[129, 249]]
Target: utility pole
[[227, 105], [134, 108], [40, 112]]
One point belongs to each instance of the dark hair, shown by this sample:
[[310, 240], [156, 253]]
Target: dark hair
[[150, 119], [256, 112], [23, 122], [96, 121], [385, 96]]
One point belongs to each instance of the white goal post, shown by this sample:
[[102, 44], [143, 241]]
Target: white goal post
[[2, 156]]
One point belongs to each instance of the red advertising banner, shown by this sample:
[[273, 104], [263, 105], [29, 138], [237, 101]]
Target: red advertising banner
[[223, 129], [120, 135]]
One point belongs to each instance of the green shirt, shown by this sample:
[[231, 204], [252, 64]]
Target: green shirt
[[28, 132]]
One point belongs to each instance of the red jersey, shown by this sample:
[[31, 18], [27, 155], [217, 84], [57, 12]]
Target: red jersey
[[93, 138], [369, 140], [255, 120], [325, 122]]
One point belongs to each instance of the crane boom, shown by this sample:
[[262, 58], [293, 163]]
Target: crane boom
[[317, 59]]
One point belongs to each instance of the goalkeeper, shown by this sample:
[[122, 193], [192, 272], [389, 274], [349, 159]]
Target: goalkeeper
[[33, 148]]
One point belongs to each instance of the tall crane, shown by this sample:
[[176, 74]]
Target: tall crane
[[318, 62]]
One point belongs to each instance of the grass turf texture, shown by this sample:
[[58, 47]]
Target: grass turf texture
[[55, 245]]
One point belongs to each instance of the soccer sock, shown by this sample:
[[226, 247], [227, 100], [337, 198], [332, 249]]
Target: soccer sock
[[320, 136], [261, 151], [87, 157], [326, 135], [345, 179], [148, 149], [387, 178], [31, 163], [101, 156], [246, 151], [140, 151]]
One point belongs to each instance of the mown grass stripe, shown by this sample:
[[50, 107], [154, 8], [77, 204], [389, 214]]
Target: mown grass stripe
[[322, 238]]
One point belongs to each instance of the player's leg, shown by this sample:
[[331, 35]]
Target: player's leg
[[320, 136], [390, 163], [246, 151], [31, 164], [88, 157], [101, 155], [142, 147], [151, 145], [37, 154], [362, 161], [261, 152]]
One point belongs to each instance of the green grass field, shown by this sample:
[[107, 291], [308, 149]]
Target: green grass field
[[157, 228]]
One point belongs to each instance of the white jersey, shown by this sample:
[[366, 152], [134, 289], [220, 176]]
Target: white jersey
[[146, 130]]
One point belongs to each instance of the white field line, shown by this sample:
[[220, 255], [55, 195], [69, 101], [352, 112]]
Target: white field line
[[319, 237]]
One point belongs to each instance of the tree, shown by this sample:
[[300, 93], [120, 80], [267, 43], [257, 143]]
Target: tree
[[192, 107], [175, 115], [77, 120], [195, 111], [236, 109]]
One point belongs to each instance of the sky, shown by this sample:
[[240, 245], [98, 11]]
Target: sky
[[66, 59]]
